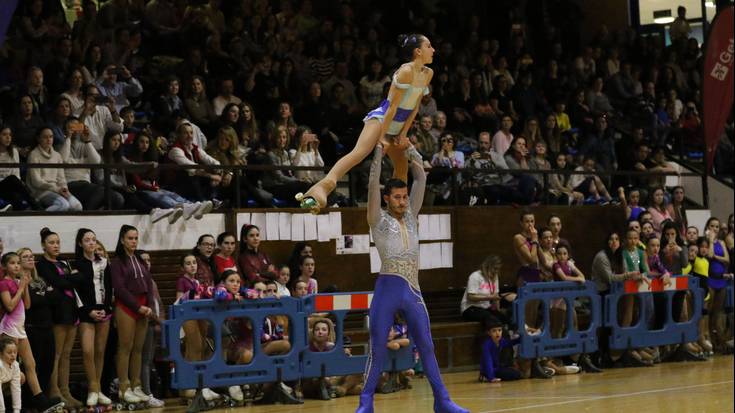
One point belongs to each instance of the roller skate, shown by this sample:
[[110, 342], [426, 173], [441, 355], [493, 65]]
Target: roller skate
[[280, 393], [237, 397], [130, 401], [71, 404], [42, 404], [316, 197], [391, 384], [95, 403], [214, 399]]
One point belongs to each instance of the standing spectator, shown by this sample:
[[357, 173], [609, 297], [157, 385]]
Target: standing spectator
[[118, 84], [49, 185], [677, 210], [658, 209], [226, 96], [58, 274], [39, 330], [224, 258], [679, 30], [94, 292], [254, 264], [133, 288]]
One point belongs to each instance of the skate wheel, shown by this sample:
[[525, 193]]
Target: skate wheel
[[119, 407], [299, 197]]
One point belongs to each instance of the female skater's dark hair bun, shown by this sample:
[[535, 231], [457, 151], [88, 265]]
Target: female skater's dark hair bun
[[45, 232], [408, 42]]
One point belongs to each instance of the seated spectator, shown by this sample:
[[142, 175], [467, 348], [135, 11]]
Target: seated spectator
[[35, 88], [539, 162], [230, 116], [580, 114], [600, 145], [284, 276], [589, 184], [77, 148], [224, 257], [283, 184], [562, 119], [425, 143], [168, 204], [197, 185], [658, 163], [517, 157], [74, 92], [284, 118], [487, 187], [49, 186], [371, 85], [560, 184], [597, 100], [492, 368], [500, 98], [503, 138], [481, 300], [99, 116], [118, 84], [226, 95], [112, 153], [307, 268], [398, 334], [197, 105], [531, 131], [225, 150], [447, 157], [25, 125], [13, 192], [57, 119], [658, 208], [307, 154], [169, 102], [321, 339], [249, 138], [439, 125]]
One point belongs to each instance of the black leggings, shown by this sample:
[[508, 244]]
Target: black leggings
[[16, 193], [43, 348], [487, 317]]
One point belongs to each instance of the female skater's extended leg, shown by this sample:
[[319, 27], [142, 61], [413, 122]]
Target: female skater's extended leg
[[365, 144]]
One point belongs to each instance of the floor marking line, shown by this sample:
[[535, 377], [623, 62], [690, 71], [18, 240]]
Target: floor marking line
[[612, 396]]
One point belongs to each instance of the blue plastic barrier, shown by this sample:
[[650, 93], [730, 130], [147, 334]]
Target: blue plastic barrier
[[300, 362], [543, 344], [639, 335]]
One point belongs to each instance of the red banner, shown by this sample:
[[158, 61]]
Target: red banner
[[718, 80]]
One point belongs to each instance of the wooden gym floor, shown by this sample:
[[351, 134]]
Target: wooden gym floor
[[670, 388]]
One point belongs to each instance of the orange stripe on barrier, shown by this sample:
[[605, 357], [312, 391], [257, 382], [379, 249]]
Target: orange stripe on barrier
[[360, 302], [631, 286], [682, 283], [657, 284], [324, 303]]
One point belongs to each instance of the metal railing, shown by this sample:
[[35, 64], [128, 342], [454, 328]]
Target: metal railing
[[239, 171]]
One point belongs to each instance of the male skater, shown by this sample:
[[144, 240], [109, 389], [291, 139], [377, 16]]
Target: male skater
[[396, 234]]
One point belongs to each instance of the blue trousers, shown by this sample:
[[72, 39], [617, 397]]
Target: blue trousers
[[393, 293]]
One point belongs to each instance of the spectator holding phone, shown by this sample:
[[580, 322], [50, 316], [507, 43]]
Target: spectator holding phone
[[117, 83], [99, 115], [307, 154]]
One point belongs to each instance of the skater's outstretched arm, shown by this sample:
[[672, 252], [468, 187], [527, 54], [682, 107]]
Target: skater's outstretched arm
[[418, 187], [373, 204]]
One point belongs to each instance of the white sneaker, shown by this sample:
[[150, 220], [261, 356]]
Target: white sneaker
[[473, 200], [158, 214], [8, 207], [175, 215], [204, 208], [236, 393], [209, 395], [92, 399], [572, 369], [191, 209], [102, 399], [141, 394], [153, 402], [130, 397]]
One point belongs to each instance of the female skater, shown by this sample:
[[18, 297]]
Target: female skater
[[388, 123]]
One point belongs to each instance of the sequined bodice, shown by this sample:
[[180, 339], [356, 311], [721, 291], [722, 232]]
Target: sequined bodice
[[398, 246]]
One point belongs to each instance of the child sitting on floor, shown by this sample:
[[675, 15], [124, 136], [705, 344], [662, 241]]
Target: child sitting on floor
[[492, 369]]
